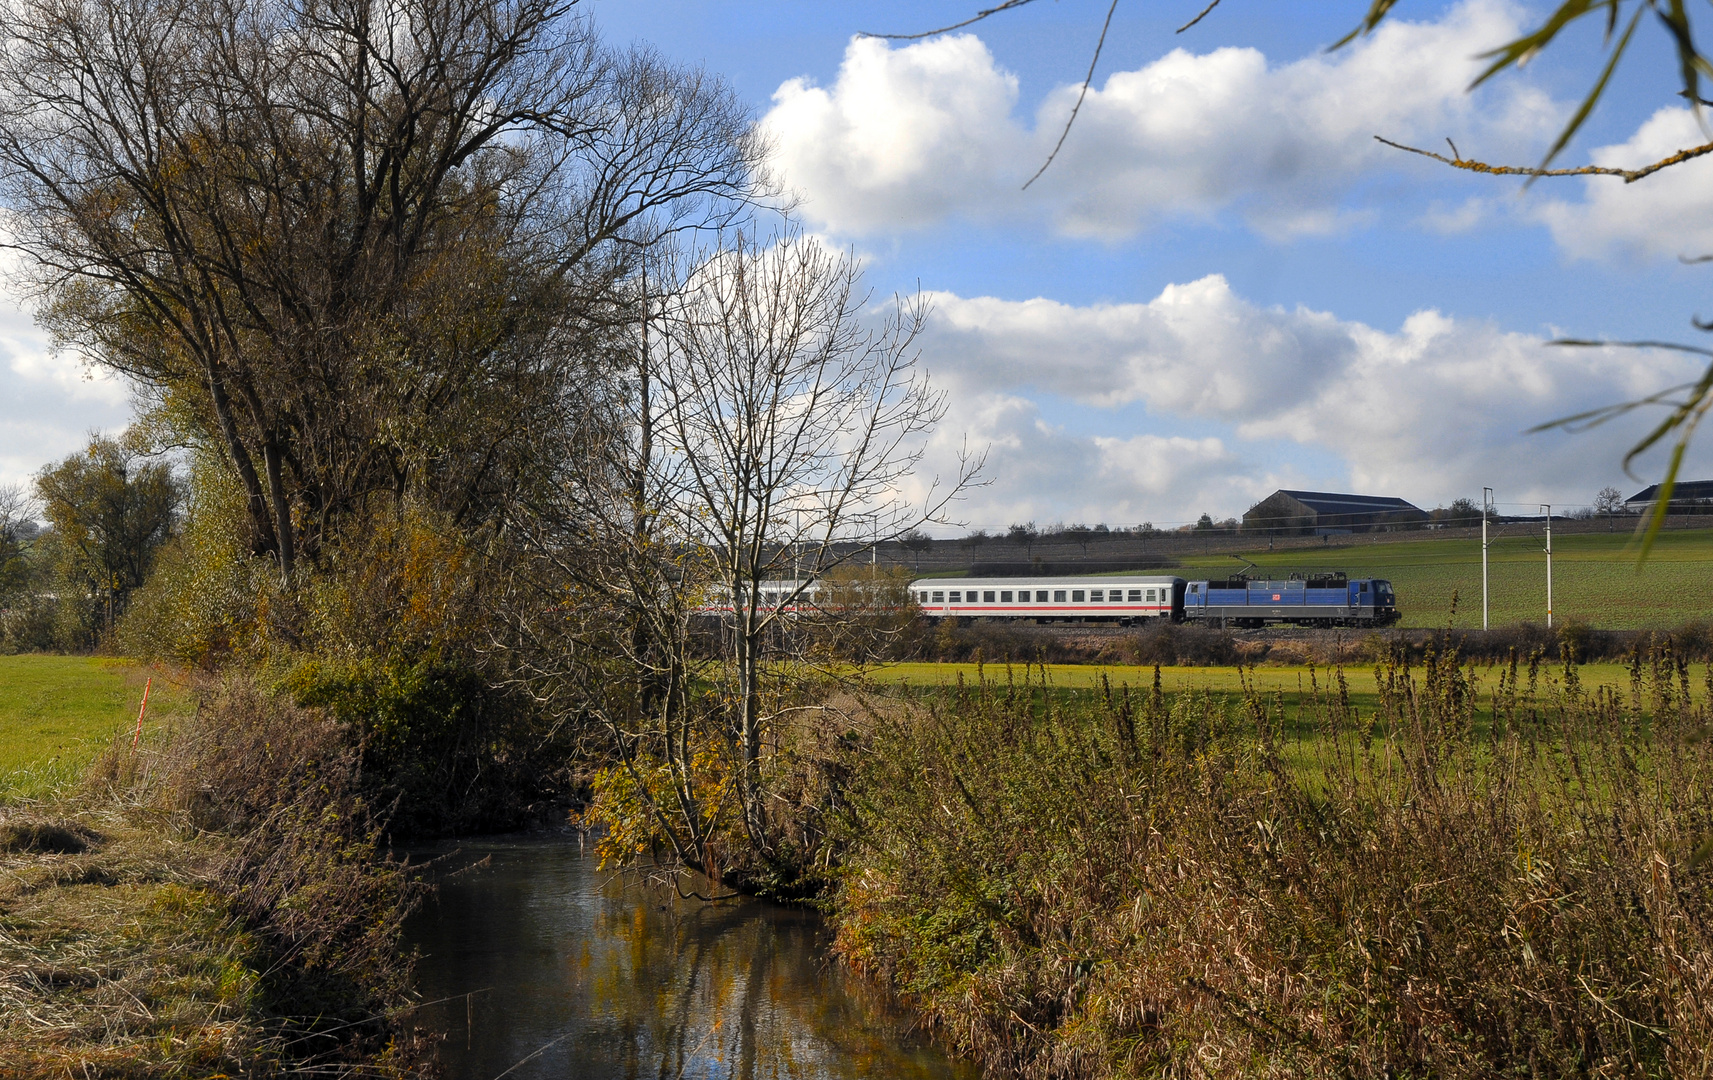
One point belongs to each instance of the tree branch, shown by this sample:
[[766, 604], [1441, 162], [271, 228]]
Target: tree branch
[[1629, 176], [977, 17], [1081, 94]]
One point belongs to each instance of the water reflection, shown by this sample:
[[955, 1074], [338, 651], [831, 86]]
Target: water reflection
[[568, 973]]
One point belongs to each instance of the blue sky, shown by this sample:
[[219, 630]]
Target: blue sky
[[1223, 285]]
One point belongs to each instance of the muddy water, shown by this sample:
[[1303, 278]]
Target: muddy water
[[554, 969]]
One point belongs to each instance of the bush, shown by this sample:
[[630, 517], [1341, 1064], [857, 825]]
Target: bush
[[306, 870], [1142, 884], [437, 745], [383, 636], [994, 642], [1168, 644], [30, 624]]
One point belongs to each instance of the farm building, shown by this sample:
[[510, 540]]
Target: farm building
[[1687, 497], [1307, 513]]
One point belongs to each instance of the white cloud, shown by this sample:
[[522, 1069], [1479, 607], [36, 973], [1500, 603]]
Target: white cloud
[[1040, 472], [1454, 220], [48, 403], [1667, 214], [1268, 397], [901, 136], [908, 136]]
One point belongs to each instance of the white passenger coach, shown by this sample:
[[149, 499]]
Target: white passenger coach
[[1120, 599]]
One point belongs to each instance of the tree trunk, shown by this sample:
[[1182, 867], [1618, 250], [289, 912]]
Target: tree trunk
[[749, 723], [267, 540], [282, 507]]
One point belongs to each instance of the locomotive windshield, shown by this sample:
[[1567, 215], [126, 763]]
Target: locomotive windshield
[[1384, 591]]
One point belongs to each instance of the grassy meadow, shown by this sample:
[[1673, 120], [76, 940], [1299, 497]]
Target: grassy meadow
[[1290, 680], [1301, 694], [58, 712], [1594, 576]]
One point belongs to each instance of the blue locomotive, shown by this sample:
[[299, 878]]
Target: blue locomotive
[[1322, 600]]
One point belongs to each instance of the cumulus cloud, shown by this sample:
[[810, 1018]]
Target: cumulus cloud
[[1199, 400], [1039, 471], [911, 135], [1667, 214], [1453, 220], [48, 403]]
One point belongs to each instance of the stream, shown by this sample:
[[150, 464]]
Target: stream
[[536, 964]]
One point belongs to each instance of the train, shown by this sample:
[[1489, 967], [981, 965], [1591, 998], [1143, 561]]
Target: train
[[1326, 599], [1332, 599]]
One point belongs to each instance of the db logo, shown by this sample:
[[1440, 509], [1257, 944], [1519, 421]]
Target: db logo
[[1275, 596]]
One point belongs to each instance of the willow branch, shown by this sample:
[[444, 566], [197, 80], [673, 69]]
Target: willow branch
[[1081, 94], [1629, 176], [977, 17], [1204, 14]]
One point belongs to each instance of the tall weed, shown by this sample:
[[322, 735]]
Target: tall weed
[[1452, 884]]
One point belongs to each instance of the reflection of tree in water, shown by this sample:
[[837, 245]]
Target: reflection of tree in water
[[735, 990], [601, 981]]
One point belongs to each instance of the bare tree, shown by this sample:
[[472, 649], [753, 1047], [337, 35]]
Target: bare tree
[[1025, 534], [605, 601], [358, 246], [17, 529], [796, 422], [1608, 501]]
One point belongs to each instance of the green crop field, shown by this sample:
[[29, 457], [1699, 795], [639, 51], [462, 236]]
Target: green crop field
[[58, 712], [1287, 679], [1594, 577], [1292, 688]]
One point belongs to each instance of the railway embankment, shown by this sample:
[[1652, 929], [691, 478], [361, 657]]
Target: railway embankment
[[1178, 644]]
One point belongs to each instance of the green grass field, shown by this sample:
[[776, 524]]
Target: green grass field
[[1287, 679], [1295, 685], [1594, 576], [58, 712]]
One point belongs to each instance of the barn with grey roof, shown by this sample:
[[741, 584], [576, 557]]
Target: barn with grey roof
[[1306, 513]]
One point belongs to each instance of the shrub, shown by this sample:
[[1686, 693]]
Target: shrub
[[437, 745], [1167, 644]]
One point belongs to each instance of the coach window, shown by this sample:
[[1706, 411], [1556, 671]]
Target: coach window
[[1077, 596], [1058, 596], [1136, 596], [1096, 597], [939, 598], [987, 596], [1004, 597]]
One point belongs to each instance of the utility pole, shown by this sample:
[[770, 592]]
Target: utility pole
[[1548, 508], [1486, 511]]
